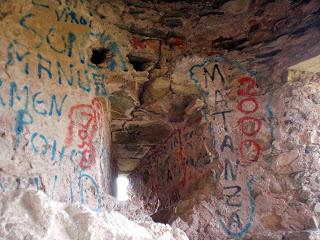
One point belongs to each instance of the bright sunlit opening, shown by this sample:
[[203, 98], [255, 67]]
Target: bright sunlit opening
[[122, 188]]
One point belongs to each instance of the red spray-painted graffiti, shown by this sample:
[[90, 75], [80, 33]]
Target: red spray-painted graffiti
[[248, 105], [174, 165], [154, 43], [137, 43], [86, 118], [145, 43], [182, 158], [178, 42]]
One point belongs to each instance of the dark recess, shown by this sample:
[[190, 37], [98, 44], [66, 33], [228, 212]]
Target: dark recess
[[100, 55], [139, 63]]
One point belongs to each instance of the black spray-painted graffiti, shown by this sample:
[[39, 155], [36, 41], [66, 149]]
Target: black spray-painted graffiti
[[219, 112]]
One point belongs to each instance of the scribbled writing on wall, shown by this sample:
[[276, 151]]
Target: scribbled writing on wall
[[71, 65], [86, 79], [29, 104], [81, 183], [171, 167], [235, 123], [248, 125], [87, 119], [49, 82], [233, 189]]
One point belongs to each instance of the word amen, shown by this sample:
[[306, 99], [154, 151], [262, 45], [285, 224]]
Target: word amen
[[29, 104]]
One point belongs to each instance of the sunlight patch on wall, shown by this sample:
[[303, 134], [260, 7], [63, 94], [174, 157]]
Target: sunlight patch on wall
[[122, 187]]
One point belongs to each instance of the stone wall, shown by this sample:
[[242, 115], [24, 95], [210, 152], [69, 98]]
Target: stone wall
[[224, 65], [245, 165], [176, 168], [54, 109], [266, 37]]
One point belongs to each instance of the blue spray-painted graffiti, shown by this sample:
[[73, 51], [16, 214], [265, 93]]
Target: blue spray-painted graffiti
[[247, 226], [23, 24], [2, 187], [71, 191], [20, 100], [69, 45], [270, 118], [40, 144], [82, 192], [1, 98], [47, 70], [72, 17], [82, 73], [70, 41], [37, 183], [40, 3], [54, 151], [54, 185], [44, 143], [19, 57], [23, 118], [234, 221]]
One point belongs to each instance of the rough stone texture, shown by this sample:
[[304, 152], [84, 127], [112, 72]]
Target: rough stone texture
[[33, 215], [263, 160], [262, 36], [171, 68], [181, 53], [173, 169]]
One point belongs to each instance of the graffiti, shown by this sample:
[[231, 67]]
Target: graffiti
[[241, 103], [23, 118], [178, 42], [242, 125], [270, 118], [232, 190], [56, 58], [87, 119], [234, 219], [207, 74], [220, 111], [72, 17], [40, 3], [85, 181], [87, 80], [67, 43], [224, 114], [23, 24], [81, 178], [42, 145], [248, 88], [145, 43], [20, 99], [176, 164], [137, 43]]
